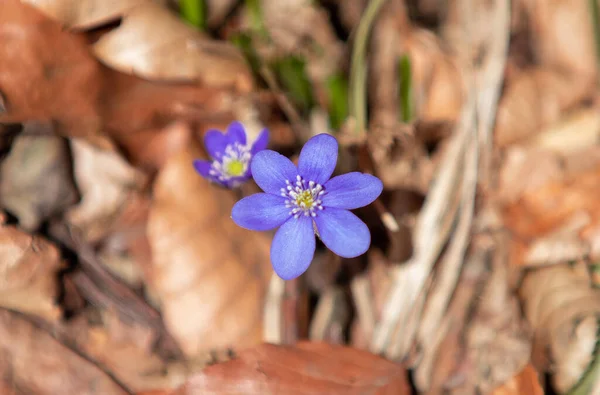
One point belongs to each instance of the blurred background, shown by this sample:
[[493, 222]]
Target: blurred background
[[121, 271]]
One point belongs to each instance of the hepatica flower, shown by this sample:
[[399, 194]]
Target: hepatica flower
[[231, 155], [301, 200]]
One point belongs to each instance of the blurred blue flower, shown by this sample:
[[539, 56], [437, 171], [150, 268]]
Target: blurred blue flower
[[231, 155], [303, 200]]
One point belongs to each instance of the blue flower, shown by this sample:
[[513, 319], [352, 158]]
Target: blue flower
[[231, 155], [304, 200]]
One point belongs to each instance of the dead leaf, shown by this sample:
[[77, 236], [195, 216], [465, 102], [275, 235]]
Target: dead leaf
[[209, 274], [562, 309], [106, 182], [35, 363], [28, 273], [307, 368], [527, 382]]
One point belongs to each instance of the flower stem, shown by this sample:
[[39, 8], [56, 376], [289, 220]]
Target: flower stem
[[194, 12], [358, 66]]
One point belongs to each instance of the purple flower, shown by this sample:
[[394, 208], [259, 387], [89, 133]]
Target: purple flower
[[304, 200], [231, 155]]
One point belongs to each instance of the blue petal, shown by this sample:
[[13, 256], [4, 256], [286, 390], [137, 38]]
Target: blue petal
[[203, 168], [293, 247], [261, 142], [271, 169], [352, 190], [260, 211], [318, 158], [215, 143], [342, 232], [236, 133]]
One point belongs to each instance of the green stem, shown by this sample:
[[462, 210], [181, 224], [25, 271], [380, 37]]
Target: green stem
[[194, 12], [358, 66], [595, 13]]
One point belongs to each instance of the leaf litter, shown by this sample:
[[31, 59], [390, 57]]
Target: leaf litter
[[122, 271]]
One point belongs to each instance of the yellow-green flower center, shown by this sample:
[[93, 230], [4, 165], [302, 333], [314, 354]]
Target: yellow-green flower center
[[305, 199], [235, 168]]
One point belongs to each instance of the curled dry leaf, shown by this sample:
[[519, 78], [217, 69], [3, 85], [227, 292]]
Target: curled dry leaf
[[106, 182], [155, 43], [35, 178], [562, 309], [35, 363], [209, 274], [28, 273], [527, 382], [307, 368]]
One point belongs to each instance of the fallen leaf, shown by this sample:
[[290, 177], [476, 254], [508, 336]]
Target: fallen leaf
[[562, 309], [36, 180], [307, 368], [35, 363], [209, 274], [106, 182], [28, 273]]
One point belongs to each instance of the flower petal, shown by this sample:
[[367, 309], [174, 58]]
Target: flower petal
[[260, 211], [293, 247], [261, 142], [236, 133], [318, 158], [215, 143], [271, 169], [343, 232], [203, 168], [352, 190]]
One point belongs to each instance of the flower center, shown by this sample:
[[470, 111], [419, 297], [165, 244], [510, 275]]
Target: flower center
[[303, 197], [235, 167], [233, 163]]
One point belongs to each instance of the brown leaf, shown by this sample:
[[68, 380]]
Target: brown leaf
[[35, 363], [209, 274], [155, 43], [106, 182], [28, 273], [36, 180], [562, 309], [307, 368], [527, 382], [555, 208]]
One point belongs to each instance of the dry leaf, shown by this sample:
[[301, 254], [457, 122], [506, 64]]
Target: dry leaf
[[106, 182], [35, 363], [527, 382], [36, 180], [209, 274], [552, 208], [307, 368], [562, 309], [28, 273]]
